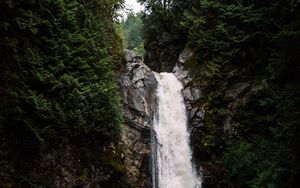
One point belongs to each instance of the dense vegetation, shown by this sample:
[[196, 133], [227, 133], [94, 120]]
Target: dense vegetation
[[246, 60], [132, 27], [58, 85], [57, 79]]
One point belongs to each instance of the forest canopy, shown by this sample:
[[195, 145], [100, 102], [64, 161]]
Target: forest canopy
[[133, 31], [58, 84]]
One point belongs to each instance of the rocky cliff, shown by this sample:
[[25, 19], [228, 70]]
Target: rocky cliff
[[138, 90], [87, 163], [192, 92]]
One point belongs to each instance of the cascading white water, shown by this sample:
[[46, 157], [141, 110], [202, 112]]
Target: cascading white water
[[172, 159]]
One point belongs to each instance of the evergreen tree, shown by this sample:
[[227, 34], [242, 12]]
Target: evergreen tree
[[253, 43], [132, 26], [57, 79]]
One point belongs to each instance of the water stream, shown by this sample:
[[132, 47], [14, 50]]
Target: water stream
[[171, 155]]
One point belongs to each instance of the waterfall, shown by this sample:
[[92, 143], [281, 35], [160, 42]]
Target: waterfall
[[171, 155]]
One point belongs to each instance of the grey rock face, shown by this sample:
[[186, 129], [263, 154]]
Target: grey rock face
[[136, 151], [180, 73], [191, 93], [138, 87]]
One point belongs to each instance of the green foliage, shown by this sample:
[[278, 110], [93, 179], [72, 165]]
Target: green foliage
[[120, 33], [132, 26], [140, 50], [57, 75], [237, 42], [164, 37], [257, 165]]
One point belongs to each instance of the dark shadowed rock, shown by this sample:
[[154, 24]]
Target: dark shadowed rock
[[185, 55], [158, 57], [193, 112], [235, 91]]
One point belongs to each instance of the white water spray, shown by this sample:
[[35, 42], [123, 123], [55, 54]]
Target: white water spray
[[172, 159]]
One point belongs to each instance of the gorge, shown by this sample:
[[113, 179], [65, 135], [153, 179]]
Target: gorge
[[158, 108], [172, 166], [206, 94]]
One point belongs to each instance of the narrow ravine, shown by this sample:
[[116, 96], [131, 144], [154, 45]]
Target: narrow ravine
[[172, 159]]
